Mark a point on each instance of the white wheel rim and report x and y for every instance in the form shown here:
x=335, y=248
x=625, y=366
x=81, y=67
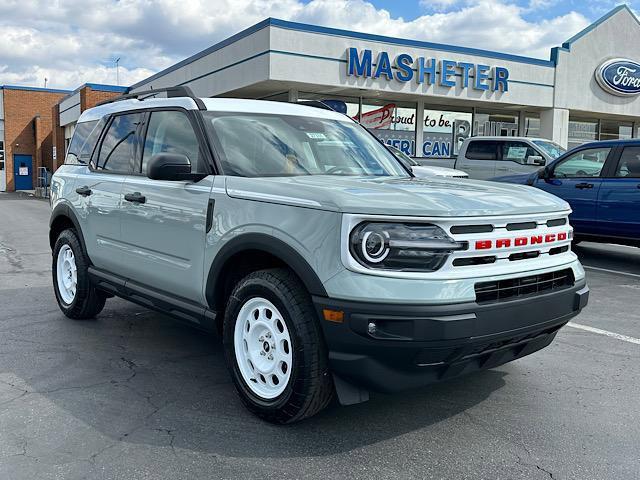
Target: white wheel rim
x=67, y=274
x=263, y=348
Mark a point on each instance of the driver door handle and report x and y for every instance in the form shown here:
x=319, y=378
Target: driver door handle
x=135, y=197
x=584, y=185
x=84, y=191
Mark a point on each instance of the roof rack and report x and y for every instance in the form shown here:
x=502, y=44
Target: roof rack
x=172, y=92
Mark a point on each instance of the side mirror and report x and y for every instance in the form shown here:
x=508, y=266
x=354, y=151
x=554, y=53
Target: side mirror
x=535, y=160
x=544, y=173
x=171, y=166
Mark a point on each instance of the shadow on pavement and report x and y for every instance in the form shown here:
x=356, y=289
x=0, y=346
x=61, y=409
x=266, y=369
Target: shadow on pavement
x=137, y=376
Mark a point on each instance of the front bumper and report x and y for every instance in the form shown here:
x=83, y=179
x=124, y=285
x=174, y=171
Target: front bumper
x=414, y=345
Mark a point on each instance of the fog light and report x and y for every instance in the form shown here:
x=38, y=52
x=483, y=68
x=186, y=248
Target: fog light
x=372, y=328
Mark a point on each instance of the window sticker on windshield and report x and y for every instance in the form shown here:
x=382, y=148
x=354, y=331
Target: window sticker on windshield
x=517, y=152
x=316, y=135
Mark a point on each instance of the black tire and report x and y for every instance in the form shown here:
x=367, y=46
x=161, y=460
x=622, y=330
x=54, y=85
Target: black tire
x=87, y=302
x=310, y=388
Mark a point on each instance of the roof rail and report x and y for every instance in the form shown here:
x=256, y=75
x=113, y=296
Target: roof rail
x=172, y=92
x=314, y=103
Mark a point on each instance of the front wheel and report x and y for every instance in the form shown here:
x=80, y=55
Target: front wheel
x=274, y=347
x=76, y=297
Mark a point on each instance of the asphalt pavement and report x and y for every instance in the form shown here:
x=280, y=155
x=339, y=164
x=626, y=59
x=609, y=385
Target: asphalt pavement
x=135, y=395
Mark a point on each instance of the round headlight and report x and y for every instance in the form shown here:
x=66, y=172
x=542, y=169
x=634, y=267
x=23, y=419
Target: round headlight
x=401, y=246
x=375, y=246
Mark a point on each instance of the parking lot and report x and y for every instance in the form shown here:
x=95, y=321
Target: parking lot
x=136, y=395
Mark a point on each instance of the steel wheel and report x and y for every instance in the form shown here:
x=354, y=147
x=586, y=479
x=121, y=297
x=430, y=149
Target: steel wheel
x=67, y=274
x=263, y=348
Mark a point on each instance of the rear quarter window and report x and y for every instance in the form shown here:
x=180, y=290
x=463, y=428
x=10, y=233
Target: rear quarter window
x=83, y=142
x=482, y=150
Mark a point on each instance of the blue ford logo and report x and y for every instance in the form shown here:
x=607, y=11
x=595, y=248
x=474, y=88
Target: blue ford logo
x=619, y=76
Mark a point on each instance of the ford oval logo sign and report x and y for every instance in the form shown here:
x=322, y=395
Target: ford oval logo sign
x=619, y=76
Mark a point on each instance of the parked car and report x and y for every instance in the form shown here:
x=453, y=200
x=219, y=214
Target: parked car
x=425, y=171
x=487, y=157
x=601, y=182
x=291, y=230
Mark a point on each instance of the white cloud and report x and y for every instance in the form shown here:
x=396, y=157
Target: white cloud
x=75, y=41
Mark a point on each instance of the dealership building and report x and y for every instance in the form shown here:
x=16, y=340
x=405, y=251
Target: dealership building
x=422, y=97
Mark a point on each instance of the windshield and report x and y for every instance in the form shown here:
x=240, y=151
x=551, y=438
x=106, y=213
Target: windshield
x=552, y=149
x=257, y=145
x=403, y=156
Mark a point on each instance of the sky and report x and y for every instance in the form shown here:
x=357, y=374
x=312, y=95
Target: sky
x=71, y=42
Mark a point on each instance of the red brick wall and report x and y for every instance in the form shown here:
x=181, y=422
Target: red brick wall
x=23, y=134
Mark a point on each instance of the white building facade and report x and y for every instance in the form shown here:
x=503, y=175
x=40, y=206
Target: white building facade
x=426, y=98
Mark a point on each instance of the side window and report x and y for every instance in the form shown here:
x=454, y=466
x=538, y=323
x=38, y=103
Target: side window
x=171, y=132
x=517, y=152
x=84, y=139
x=585, y=163
x=629, y=164
x=119, y=147
x=482, y=150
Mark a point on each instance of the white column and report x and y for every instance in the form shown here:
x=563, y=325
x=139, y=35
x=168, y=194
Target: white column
x=419, y=125
x=554, y=125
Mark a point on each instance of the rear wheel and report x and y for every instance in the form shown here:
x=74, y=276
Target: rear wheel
x=274, y=347
x=76, y=297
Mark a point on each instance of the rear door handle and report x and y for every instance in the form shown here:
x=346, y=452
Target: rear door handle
x=135, y=197
x=584, y=185
x=502, y=169
x=85, y=191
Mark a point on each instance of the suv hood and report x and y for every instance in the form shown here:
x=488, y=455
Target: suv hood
x=437, y=197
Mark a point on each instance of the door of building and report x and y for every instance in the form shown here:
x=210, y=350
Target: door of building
x=23, y=172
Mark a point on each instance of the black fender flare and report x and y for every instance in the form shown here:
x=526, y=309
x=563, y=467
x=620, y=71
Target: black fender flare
x=267, y=244
x=64, y=210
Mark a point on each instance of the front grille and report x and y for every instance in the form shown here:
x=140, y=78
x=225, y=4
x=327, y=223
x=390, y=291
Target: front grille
x=512, y=288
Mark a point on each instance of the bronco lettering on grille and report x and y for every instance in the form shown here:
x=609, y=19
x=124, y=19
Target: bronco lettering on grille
x=521, y=241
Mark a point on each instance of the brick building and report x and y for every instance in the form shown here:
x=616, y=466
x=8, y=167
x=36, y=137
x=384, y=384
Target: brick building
x=67, y=111
x=25, y=134
x=36, y=125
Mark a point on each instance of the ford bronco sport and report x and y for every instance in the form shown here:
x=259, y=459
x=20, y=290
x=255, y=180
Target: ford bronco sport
x=326, y=266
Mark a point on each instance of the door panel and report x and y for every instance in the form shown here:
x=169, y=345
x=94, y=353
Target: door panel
x=619, y=197
x=23, y=172
x=165, y=235
x=100, y=191
x=99, y=213
x=577, y=180
x=164, y=222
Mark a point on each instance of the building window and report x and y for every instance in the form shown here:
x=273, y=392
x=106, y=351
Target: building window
x=582, y=131
x=490, y=124
x=443, y=132
x=610, y=130
x=531, y=126
x=392, y=122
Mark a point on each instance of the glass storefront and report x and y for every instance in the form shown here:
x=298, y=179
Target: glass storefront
x=443, y=132
x=582, y=131
x=392, y=122
x=615, y=130
x=531, y=126
x=495, y=124
x=588, y=130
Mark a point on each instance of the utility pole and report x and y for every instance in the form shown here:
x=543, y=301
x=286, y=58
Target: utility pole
x=118, y=71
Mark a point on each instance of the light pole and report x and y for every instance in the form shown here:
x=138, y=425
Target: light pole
x=118, y=71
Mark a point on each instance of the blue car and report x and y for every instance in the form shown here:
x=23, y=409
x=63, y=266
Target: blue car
x=601, y=182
